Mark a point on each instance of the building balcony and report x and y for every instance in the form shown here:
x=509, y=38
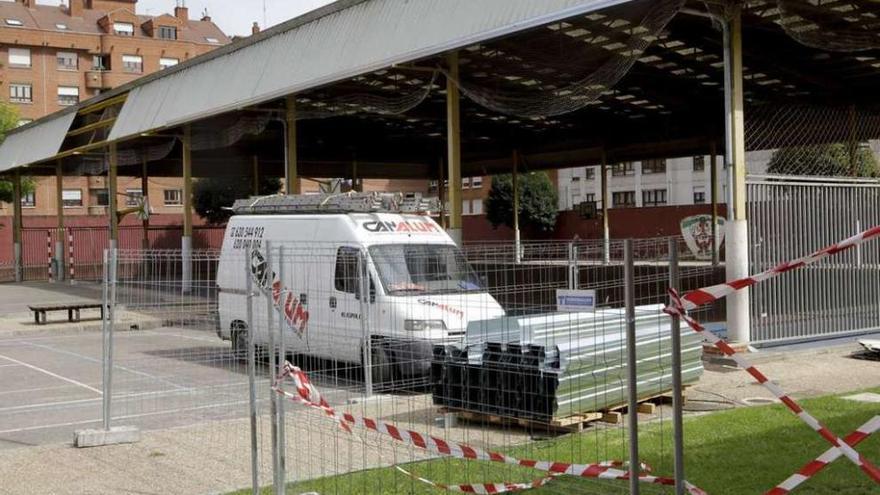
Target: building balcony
x=97, y=79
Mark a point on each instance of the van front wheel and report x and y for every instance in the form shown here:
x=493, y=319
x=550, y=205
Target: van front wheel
x=239, y=342
x=382, y=369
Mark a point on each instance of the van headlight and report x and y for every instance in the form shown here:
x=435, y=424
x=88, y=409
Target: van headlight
x=420, y=325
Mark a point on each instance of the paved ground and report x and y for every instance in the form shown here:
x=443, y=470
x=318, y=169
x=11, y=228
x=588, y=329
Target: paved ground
x=182, y=387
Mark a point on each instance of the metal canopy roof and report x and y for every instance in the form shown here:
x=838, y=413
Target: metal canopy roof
x=365, y=36
x=34, y=143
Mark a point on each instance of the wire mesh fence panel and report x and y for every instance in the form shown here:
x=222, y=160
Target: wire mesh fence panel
x=414, y=339
x=172, y=370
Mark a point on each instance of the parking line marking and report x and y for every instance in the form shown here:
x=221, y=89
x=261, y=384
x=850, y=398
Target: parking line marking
x=54, y=375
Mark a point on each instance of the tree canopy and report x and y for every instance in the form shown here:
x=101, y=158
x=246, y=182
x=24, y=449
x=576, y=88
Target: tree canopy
x=538, y=201
x=212, y=195
x=8, y=121
x=825, y=160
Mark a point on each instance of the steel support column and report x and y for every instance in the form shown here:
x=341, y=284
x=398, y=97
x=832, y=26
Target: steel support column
x=186, y=241
x=606, y=224
x=453, y=141
x=16, y=225
x=256, y=175
x=292, y=183
x=59, y=271
x=515, y=183
x=737, y=262
x=145, y=190
x=112, y=200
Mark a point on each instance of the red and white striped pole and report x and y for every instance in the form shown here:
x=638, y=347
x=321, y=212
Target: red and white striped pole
x=49, y=254
x=70, y=253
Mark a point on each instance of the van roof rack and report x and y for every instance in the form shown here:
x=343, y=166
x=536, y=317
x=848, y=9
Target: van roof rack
x=350, y=202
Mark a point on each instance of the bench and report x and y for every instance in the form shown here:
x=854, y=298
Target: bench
x=72, y=309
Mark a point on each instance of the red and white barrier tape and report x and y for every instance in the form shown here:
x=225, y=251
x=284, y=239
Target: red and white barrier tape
x=699, y=297
x=813, y=467
x=309, y=395
x=681, y=304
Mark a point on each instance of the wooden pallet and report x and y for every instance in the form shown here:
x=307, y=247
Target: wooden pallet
x=568, y=424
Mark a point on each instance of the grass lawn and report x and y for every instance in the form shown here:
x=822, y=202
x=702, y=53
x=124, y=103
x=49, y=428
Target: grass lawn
x=735, y=452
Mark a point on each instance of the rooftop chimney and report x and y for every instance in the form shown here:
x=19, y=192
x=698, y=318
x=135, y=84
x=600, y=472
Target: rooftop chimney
x=75, y=8
x=255, y=28
x=181, y=12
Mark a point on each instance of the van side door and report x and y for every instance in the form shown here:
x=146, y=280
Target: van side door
x=344, y=334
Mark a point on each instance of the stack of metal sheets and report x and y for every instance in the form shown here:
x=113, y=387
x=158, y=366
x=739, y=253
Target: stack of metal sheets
x=552, y=366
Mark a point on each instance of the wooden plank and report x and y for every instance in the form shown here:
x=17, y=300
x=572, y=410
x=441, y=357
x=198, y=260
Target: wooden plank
x=647, y=408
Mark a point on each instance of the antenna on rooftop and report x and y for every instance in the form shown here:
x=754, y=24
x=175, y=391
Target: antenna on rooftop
x=265, y=22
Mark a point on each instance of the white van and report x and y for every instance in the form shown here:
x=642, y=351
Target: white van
x=422, y=291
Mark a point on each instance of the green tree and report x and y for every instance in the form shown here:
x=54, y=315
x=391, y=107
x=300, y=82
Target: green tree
x=212, y=195
x=9, y=120
x=825, y=160
x=537, y=201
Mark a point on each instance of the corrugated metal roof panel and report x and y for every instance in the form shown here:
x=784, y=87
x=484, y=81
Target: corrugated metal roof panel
x=365, y=36
x=35, y=143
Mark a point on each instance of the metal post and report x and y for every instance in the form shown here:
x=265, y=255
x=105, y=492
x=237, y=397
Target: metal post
x=291, y=165
x=16, y=225
x=441, y=195
x=364, y=291
x=273, y=371
x=737, y=259
x=145, y=190
x=572, y=266
x=282, y=356
x=59, y=238
x=109, y=321
x=632, y=395
x=186, y=241
x=252, y=376
x=453, y=141
x=515, y=182
x=713, y=192
x=677, y=390
x=606, y=228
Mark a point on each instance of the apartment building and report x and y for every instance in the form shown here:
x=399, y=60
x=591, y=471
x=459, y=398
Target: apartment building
x=657, y=182
x=54, y=56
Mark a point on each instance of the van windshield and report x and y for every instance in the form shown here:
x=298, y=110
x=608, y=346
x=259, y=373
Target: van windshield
x=423, y=269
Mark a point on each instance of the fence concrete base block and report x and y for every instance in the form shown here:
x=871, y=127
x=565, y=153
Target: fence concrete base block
x=114, y=436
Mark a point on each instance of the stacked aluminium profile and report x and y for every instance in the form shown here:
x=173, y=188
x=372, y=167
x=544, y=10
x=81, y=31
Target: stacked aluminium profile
x=552, y=366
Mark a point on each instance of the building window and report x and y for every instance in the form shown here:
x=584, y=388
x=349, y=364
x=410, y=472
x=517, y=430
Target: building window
x=123, y=28
x=590, y=173
x=477, y=206
x=211, y=40
x=623, y=199
x=654, y=197
x=20, y=93
x=29, y=199
x=101, y=62
x=100, y=197
x=699, y=195
x=432, y=186
x=67, y=61
x=656, y=166
x=168, y=32
x=575, y=198
x=22, y=122
x=477, y=182
x=699, y=163
x=166, y=62
x=575, y=178
x=61, y=27
x=68, y=95
x=173, y=197
x=465, y=207
x=132, y=196
x=466, y=183
x=346, y=277
x=590, y=197
x=133, y=64
x=72, y=198
x=14, y=22
x=621, y=169
x=19, y=57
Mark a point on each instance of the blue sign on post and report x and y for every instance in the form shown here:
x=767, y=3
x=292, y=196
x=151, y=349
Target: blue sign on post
x=575, y=300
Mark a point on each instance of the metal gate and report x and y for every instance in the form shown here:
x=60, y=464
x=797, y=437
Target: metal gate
x=790, y=217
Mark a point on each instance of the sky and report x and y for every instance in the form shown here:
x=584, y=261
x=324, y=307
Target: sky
x=233, y=16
